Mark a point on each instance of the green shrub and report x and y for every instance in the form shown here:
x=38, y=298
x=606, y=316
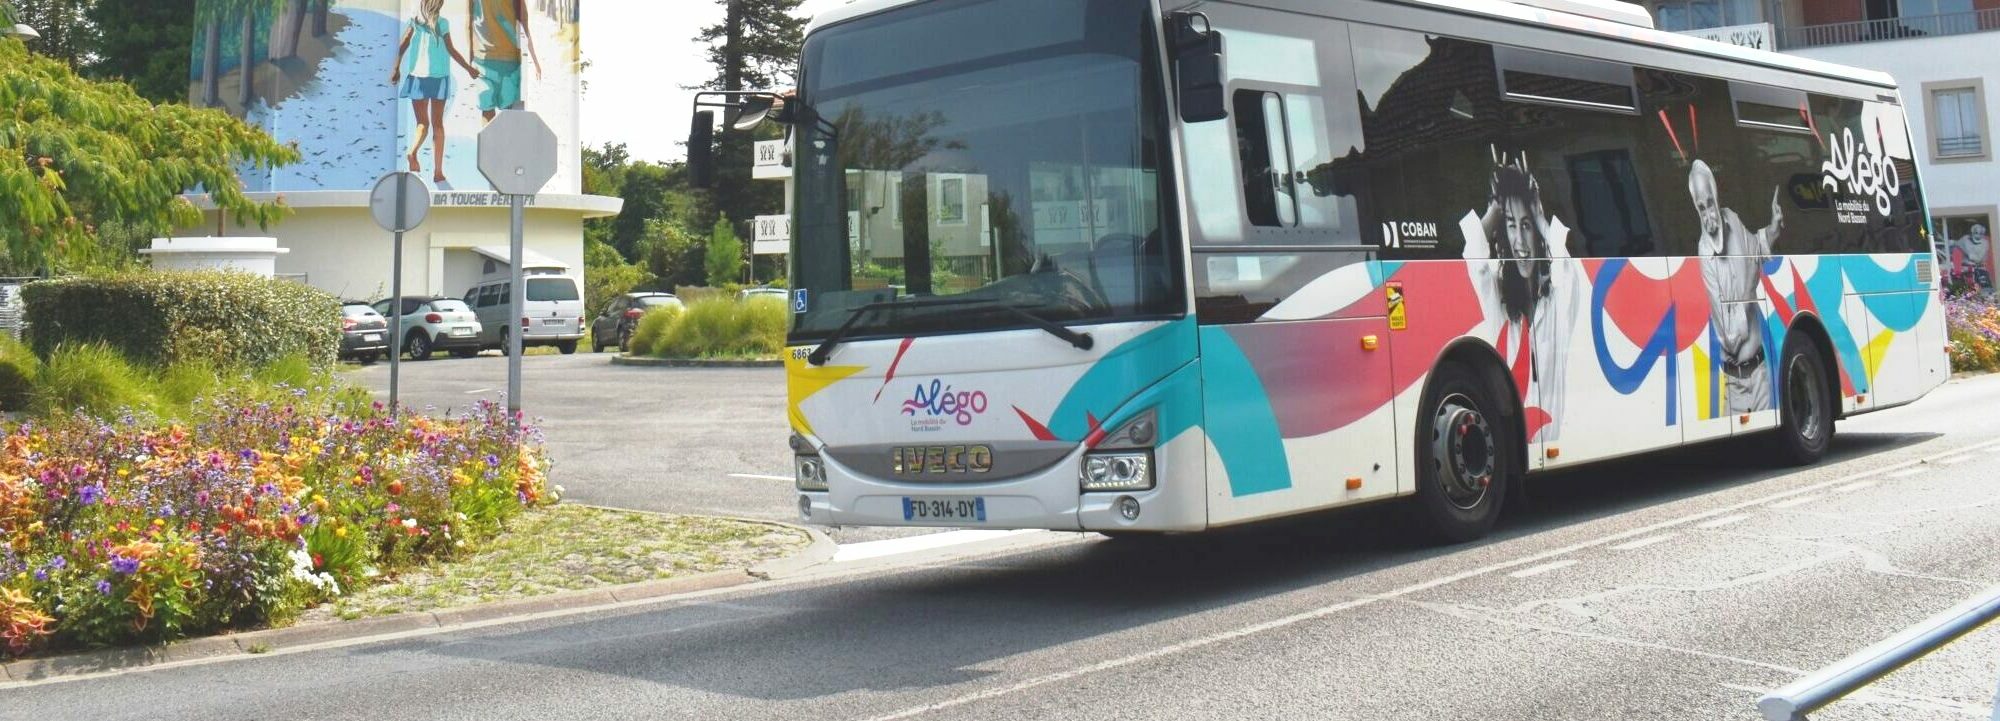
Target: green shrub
x=651, y=329
x=94, y=379
x=162, y=318
x=720, y=328
x=18, y=371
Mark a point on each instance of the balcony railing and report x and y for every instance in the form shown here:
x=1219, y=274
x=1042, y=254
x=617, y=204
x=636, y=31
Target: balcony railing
x=1916, y=26
x=1962, y=146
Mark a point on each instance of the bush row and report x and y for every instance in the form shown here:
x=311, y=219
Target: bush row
x=163, y=318
x=715, y=327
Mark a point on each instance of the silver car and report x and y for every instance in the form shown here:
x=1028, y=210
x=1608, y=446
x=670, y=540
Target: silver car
x=432, y=324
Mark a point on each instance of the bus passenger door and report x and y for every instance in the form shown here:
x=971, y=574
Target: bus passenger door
x=1294, y=322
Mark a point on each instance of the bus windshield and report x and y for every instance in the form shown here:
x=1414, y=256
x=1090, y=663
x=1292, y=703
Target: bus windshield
x=1009, y=151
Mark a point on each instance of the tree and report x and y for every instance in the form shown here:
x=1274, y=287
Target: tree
x=724, y=259
x=66, y=32
x=144, y=43
x=212, y=16
x=76, y=154
x=755, y=47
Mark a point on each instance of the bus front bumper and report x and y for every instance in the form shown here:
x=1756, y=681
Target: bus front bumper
x=1047, y=499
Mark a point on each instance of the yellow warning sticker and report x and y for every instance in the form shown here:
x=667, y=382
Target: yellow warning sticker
x=1398, y=320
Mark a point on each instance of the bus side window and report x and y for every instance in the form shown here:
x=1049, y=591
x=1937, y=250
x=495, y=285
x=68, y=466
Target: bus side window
x=1262, y=144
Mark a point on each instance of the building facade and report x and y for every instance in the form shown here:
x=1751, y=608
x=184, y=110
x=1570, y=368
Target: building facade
x=1936, y=50
x=366, y=87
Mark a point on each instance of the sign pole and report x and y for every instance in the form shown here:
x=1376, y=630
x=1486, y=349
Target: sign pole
x=517, y=302
x=396, y=310
x=399, y=202
x=517, y=154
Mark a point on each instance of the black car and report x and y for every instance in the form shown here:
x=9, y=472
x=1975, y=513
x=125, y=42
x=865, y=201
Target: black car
x=621, y=318
x=364, y=333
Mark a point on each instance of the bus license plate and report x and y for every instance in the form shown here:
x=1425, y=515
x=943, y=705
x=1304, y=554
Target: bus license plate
x=919, y=508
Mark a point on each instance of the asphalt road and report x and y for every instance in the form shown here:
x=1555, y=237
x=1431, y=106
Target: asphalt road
x=1674, y=586
x=679, y=440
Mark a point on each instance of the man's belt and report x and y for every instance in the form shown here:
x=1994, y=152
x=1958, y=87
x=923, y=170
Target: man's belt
x=1742, y=368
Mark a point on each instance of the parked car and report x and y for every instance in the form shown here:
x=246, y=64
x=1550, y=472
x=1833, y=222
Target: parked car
x=433, y=324
x=621, y=318
x=553, y=315
x=364, y=333
x=748, y=293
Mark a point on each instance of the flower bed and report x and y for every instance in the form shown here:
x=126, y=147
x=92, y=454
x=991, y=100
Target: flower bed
x=133, y=531
x=1972, y=321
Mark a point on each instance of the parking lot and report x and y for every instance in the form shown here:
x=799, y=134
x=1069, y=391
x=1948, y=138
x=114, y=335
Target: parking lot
x=681, y=440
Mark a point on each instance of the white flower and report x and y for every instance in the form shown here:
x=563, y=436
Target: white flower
x=409, y=523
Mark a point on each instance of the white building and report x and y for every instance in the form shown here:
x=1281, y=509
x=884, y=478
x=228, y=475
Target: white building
x=322, y=85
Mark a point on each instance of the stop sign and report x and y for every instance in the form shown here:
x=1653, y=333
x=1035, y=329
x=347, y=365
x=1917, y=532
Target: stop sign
x=517, y=152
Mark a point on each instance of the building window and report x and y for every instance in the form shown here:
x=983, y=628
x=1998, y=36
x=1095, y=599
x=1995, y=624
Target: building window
x=1682, y=15
x=1967, y=250
x=1958, y=122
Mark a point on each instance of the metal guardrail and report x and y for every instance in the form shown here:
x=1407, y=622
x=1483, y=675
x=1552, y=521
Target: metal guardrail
x=1911, y=26
x=1830, y=684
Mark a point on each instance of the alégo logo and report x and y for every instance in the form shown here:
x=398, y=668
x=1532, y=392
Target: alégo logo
x=938, y=399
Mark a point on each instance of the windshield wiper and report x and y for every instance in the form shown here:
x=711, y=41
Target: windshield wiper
x=820, y=354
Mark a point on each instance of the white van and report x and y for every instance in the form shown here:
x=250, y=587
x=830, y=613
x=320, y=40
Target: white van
x=553, y=314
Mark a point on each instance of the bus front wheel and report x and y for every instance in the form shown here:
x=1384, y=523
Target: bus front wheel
x=1466, y=455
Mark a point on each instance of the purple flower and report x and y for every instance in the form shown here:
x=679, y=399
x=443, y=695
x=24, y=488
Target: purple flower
x=124, y=565
x=104, y=588
x=58, y=563
x=90, y=494
x=41, y=574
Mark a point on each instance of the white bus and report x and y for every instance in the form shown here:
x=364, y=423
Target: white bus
x=1133, y=266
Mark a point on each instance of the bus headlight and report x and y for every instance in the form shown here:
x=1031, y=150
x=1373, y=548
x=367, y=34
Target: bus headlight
x=1118, y=471
x=811, y=474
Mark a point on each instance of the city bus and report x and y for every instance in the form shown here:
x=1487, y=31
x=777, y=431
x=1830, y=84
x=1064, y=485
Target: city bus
x=1145, y=266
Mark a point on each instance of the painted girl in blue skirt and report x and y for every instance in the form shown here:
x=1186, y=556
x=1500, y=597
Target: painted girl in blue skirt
x=423, y=74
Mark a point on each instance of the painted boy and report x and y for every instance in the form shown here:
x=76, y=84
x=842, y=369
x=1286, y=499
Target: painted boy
x=499, y=29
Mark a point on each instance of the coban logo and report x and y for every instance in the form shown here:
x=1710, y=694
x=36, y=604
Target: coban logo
x=1862, y=172
x=938, y=399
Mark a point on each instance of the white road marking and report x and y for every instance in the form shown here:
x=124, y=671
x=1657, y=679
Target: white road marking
x=482, y=390
x=1302, y=617
x=761, y=477
x=909, y=544
x=1643, y=542
x=1800, y=501
x=1720, y=522
x=1907, y=472
x=1955, y=460
x=1544, y=568
x=1852, y=487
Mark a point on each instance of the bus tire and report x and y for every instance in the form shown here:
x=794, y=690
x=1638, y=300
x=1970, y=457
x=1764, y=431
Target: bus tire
x=1805, y=403
x=1466, y=455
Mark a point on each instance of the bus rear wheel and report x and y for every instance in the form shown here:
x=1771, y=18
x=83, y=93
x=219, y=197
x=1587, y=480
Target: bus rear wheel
x=1466, y=456
x=1805, y=403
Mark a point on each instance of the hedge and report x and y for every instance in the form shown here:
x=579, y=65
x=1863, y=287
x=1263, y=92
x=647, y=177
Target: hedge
x=163, y=318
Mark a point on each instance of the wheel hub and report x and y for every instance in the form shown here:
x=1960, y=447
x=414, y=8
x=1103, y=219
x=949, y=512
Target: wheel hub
x=1462, y=448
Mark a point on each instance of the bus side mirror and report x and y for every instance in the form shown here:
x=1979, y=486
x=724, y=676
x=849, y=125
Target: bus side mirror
x=1197, y=59
x=701, y=150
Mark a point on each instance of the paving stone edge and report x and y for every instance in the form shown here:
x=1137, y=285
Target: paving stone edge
x=628, y=360
x=818, y=551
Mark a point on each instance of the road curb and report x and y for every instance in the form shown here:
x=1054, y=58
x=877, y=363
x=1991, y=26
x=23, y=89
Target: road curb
x=818, y=551
x=628, y=360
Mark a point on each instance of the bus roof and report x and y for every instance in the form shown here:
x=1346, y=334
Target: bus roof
x=1546, y=13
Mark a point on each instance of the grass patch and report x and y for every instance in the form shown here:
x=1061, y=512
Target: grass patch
x=569, y=548
x=714, y=328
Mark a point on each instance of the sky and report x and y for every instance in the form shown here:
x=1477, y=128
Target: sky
x=642, y=55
